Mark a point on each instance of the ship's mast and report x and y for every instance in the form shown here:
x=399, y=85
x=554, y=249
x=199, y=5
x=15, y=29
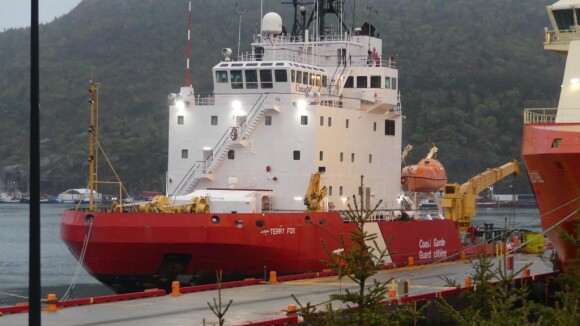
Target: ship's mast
x=321, y=8
x=187, y=81
x=93, y=134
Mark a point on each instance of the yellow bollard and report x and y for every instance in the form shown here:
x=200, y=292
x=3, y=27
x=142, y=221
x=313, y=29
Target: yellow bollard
x=410, y=261
x=273, y=279
x=392, y=293
x=51, y=303
x=175, y=289
x=467, y=283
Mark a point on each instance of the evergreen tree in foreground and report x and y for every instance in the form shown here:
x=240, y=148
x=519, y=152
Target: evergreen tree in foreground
x=359, y=263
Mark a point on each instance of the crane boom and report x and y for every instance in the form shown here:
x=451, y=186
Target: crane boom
x=459, y=201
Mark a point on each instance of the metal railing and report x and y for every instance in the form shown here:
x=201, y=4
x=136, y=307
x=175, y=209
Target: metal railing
x=536, y=116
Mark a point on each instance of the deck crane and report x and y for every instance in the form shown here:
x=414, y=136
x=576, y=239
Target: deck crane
x=459, y=201
x=315, y=195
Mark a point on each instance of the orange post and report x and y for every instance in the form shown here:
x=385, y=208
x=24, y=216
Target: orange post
x=467, y=283
x=273, y=279
x=410, y=261
x=516, y=241
x=175, y=289
x=51, y=301
x=527, y=272
x=392, y=293
x=462, y=255
x=291, y=309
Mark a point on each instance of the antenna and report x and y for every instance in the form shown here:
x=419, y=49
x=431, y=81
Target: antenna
x=240, y=13
x=187, y=81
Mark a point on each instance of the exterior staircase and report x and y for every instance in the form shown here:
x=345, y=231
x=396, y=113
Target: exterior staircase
x=231, y=137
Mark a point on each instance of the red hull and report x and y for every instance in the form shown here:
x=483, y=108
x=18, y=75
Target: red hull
x=551, y=153
x=130, y=251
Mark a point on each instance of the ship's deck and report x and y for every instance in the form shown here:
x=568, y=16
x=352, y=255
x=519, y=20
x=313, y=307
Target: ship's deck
x=257, y=302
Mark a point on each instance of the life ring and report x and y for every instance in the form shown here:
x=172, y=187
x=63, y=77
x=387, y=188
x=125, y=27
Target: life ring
x=234, y=133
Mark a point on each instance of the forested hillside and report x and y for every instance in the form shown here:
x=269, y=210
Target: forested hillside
x=467, y=69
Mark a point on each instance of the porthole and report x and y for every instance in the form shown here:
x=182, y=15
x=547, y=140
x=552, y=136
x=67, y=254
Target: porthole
x=215, y=219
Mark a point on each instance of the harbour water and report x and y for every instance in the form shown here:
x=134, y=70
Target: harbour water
x=59, y=266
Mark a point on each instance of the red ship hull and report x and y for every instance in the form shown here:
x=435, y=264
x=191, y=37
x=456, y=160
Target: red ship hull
x=135, y=251
x=551, y=153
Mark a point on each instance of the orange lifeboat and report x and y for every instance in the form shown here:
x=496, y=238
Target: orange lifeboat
x=426, y=176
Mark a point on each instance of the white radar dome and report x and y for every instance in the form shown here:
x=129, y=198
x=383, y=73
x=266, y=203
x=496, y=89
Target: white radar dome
x=272, y=23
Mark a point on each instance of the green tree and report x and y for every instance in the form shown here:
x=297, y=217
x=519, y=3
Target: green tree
x=359, y=263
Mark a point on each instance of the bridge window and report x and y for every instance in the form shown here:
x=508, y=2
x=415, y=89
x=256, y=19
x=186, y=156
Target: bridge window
x=564, y=19
x=361, y=82
x=375, y=81
x=299, y=76
x=390, y=127
x=266, y=78
x=251, y=79
x=221, y=76
x=387, y=82
x=184, y=153
x=324, y=80
x=281, y=75
x=293, y=75
x=305, y=76
x=236, y=79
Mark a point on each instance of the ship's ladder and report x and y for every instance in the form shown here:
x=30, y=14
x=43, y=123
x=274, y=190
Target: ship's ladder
x=232, y=135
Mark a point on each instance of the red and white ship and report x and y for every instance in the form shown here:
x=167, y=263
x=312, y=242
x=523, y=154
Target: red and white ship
x=321, y=101
x=551, y=137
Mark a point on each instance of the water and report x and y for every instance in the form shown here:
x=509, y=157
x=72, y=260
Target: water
x=512, y=218
x=58, y=264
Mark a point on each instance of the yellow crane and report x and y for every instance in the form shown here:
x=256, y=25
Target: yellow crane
x=459, y=201
x=314, y=195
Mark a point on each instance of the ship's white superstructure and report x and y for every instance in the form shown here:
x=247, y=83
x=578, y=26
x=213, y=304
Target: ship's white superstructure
x=293, y=106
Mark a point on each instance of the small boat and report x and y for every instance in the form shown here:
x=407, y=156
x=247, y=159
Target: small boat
x=7, y=198
x=78, y=195
x=426, y=176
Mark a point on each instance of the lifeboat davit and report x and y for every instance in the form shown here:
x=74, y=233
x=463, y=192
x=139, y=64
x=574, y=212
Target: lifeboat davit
x=427, y=176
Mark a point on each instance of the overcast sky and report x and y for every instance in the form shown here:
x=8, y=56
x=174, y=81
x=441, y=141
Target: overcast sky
x=16, y=13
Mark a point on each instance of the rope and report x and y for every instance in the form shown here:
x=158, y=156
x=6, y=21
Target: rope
x=14, y=295
x=80, y=261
